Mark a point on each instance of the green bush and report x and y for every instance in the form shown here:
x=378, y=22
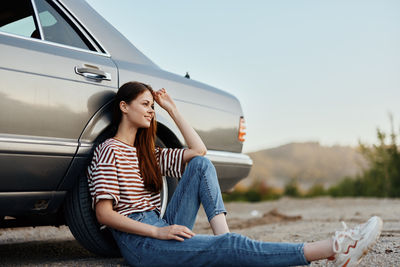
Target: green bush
x=382, y=177
x=258, y=192
x=316, y=190
x=292, y=189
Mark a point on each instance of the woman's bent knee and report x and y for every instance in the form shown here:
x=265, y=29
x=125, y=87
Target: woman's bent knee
x=201, y=162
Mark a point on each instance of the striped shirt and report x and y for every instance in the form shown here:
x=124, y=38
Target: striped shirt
x=114, y=174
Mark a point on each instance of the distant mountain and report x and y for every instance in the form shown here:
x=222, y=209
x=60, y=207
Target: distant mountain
x=309, y=163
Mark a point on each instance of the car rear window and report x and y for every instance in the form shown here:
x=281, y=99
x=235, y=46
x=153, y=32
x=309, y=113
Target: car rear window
x=17, y=17
x=58, y=28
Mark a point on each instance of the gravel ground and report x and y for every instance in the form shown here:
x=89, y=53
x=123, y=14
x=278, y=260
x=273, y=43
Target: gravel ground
x=285, y=220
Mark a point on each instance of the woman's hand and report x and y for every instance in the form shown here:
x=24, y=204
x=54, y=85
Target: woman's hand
x=174, y=232
x=164, y=100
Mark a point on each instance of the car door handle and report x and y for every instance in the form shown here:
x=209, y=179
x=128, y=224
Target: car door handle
x=93, y=73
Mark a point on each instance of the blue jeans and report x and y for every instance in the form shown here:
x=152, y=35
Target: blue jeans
x=199, y=184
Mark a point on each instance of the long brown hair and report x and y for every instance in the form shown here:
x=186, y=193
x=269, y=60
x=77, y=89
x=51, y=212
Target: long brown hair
x=145, y=137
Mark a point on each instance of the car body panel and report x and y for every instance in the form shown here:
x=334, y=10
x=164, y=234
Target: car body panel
x=50, y=104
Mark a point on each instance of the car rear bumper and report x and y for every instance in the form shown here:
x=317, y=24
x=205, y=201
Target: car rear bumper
x=231, y=167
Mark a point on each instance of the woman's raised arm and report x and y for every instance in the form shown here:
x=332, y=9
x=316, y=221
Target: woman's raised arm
x=195, y=145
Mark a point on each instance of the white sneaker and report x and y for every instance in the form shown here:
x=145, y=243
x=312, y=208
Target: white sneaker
x=350, y=245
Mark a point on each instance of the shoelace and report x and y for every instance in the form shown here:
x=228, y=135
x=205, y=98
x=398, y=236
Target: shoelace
x=340, y=235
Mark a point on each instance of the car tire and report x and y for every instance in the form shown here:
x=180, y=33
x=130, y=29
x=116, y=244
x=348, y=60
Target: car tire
x=83, y=224
x=82, y=221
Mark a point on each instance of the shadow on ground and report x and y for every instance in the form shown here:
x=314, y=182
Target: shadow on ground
x=51, y=253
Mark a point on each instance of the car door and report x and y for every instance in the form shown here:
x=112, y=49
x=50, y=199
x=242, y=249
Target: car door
x=53, y=77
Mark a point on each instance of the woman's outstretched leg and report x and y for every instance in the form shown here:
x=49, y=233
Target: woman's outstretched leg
x=198, y=185
x=319, y=250
x=345, y=249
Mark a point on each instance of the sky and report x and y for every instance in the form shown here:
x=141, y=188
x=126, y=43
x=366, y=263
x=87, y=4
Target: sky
x=303, y=70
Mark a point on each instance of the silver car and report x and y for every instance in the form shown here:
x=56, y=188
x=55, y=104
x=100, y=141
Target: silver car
x=61, y=64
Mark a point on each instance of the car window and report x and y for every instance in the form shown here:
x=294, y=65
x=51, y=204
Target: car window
x=17, y=17
x=58, y=29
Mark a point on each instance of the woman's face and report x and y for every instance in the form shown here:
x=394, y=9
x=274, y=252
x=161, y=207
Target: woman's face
x=140, y=111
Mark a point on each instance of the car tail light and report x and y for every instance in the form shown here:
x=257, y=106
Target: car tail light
x=242, y=129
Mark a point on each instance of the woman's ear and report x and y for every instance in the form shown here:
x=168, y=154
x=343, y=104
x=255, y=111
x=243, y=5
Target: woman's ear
x=123, y=107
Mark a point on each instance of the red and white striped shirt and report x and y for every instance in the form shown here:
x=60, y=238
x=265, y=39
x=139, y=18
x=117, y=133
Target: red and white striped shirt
x=114, y=174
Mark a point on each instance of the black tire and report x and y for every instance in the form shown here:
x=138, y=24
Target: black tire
x=83, y=224
x=82, y=221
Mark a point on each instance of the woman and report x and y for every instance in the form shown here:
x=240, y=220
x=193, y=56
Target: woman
x=125, y=178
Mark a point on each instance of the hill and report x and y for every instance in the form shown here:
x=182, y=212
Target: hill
x=309, y=163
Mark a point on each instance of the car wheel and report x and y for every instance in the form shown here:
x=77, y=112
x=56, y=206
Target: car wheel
x=82, y=221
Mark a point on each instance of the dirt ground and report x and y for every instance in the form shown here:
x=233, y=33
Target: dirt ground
x=284, y=220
